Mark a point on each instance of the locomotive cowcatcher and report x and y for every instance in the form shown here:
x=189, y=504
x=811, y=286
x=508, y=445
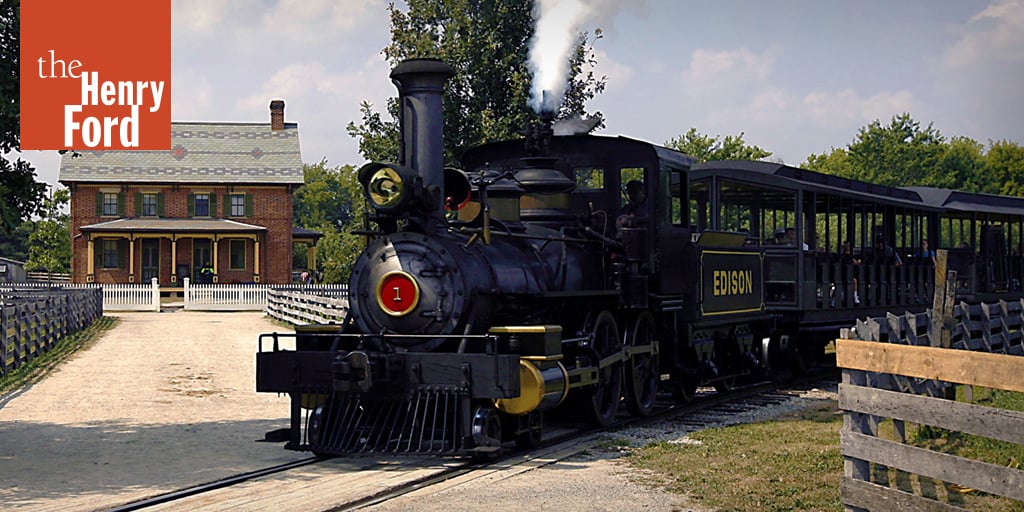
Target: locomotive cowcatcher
x=490, y=295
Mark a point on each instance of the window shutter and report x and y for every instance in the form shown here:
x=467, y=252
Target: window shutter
x=191, y=205
x=138, y=204
x=227, y=205
x=99, y=204
x=248, y=205
x=160, y=204
x=213, y=205
x=120, y=204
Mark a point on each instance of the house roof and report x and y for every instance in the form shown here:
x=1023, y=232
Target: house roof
x=176, y=225
x=301, y=232
x=200, y=153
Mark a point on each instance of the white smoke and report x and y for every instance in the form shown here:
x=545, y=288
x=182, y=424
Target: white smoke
x=559, y=23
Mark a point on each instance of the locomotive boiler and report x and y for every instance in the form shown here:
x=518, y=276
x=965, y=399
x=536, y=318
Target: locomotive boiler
x=490, y=295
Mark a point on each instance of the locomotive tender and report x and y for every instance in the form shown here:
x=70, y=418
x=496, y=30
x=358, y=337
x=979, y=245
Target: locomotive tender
x=490, y=295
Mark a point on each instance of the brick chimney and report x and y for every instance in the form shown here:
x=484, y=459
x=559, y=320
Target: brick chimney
x=277, y=115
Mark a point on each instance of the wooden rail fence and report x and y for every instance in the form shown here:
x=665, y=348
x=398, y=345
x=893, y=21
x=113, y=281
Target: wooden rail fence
x=895, y=372
x=302, y=307
x=32, y=321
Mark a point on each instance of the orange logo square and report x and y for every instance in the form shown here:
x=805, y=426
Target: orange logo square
x=95, y=75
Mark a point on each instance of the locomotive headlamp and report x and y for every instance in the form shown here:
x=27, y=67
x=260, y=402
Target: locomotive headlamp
x=388, y=187
x=385, y=187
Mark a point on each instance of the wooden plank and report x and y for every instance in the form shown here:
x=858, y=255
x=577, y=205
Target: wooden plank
x=982, y=476
x=965, y=367
x=866, y=495
x=1000, y=424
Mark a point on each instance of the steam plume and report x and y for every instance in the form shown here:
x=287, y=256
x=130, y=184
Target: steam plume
x=559, y=23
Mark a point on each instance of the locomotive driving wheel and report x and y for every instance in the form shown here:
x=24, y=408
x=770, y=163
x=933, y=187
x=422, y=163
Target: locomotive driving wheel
x=642, y=375
x=605, y=341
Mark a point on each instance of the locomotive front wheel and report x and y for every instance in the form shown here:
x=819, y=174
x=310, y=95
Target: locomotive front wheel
x=683, y=392
x=725, y=385
x=602, y=406
x=642, y=377
x=530, y=437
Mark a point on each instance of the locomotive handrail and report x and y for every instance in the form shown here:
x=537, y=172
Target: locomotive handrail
x=536, y=237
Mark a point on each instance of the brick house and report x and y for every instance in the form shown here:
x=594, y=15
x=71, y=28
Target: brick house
x=222, y=195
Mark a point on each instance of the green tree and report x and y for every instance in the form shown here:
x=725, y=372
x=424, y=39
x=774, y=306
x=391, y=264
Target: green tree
x=486, y=43
x=903, y=153
x=20, y=194
x=331, y=202
x=836, y=162
x=49, y=244
x=962, y=166
x=1005, y=168
x=325, y=199
x=706, y=148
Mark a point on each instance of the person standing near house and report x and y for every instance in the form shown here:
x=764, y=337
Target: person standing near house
x=206, y=274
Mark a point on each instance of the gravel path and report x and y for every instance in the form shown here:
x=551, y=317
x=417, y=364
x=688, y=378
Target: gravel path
x=167, y=400
x=161, y=401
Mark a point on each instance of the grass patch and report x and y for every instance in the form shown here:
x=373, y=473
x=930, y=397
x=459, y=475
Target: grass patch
x=42, y=365
x=1000, y=453
x=792, y=463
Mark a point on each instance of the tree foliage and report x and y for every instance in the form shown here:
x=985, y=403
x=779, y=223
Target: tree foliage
x=20, y=194
x=331, y=202
x=706, y=148
x=486, y=43
x=1005, y=161
x=49, y=244
x=903, y=153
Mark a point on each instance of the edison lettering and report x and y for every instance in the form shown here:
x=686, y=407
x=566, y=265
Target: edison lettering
x=732, y=282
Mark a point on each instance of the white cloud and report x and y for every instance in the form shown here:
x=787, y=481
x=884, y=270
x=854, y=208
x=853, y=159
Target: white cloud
x=315, y=20
x=204, y=16
x=323, y=101
x=617, y=72
x=996, y=34
x=716, y=65
x=826, y=107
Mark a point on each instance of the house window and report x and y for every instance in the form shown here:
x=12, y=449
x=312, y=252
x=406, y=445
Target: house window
x=109, y=203
x=110, y=254
x=149, y=208
x=202, y=205
x=237, y=205
x=237, y=254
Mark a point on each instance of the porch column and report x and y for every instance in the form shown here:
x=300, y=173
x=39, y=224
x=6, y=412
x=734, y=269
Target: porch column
x=256, y=260
x=174, y=259
x=131, y=259
x=311, y=257
x=215, y=243
x=90, y=262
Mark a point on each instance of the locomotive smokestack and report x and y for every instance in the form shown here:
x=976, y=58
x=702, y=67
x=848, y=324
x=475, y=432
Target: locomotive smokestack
x=420, y=84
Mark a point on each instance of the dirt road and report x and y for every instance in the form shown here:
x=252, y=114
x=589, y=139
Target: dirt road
x=166, y=400
x=161, y=401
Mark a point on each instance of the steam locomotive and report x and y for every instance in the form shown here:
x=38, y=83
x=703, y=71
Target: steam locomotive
x=491, y=295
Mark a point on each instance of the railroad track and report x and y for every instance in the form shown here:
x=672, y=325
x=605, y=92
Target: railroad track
x=343, y=484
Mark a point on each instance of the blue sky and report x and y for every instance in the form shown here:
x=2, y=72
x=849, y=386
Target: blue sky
x=795, y=76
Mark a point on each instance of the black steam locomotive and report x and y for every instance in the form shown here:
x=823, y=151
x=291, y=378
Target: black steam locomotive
x=490, y=295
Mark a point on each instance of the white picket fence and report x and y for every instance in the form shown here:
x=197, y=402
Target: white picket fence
x=225, y=297
x=116, y=297
x=199, y=297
